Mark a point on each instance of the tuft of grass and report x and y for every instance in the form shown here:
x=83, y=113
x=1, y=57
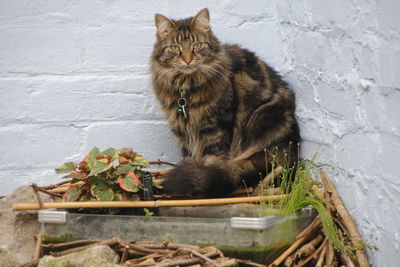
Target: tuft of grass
x=296, y=182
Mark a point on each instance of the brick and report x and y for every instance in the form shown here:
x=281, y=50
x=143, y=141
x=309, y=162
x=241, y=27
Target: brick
x=152, y=139
x=37, y=146
x=78, y=100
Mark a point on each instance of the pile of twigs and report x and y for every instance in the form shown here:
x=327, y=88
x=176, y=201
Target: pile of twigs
x=149, y=253
x=313, y=248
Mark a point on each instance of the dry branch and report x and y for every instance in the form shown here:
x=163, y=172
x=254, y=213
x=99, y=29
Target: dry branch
x=309, y=248
x=346, y=220
x=36, y=255
x=201, y=256
x=315, y=225
x=160, y=162
x=314, y=255
x=288, y=252
x=322, y=256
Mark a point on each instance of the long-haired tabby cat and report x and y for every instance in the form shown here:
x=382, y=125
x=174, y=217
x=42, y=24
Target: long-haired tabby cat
x=227, y=108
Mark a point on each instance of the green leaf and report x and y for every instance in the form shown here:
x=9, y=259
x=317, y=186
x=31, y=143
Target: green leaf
x=125, y=150
x=132, y=197
x=158, y=186
x=91, y=157
x=140, y=161
x=99, y=167
x=66, y=168
x=147, y=212
x=101, y=191
x=73, y=193
x=129, y=183
x=125, y=168
x=111, y=152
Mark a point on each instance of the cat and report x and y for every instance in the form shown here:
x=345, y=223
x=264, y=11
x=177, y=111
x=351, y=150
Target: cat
x=231, y=113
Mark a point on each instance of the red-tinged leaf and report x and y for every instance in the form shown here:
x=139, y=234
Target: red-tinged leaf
x=133, y=176
x=83, y=165
x=103, y=158
x=140, y=161
x=119, y=197
x=129, y=183
x=73, y=193
x=122, y=160
x=66, y=168
x=124, y=150
x=128, y=155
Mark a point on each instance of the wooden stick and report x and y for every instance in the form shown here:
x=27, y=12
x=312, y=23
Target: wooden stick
x=145, y=204
x=64, y=187
x=76, y=242
x=185, y=261
x=330, y=255
x=348, y=222
x=251, y=263
x=229, y=263
x=309, y=248
x=38, y=251
x=48, y=187
x=165, y=245
x=314, y=255
x=267, y=180
x=159, y=162
x=287, y=252
x=108, y=242
x=321, y=257
x=141, y=248
x=201, y=256
x=37, y=196
x=311, y=228
x=124, y=255
x=53, y=194
x=138, y=261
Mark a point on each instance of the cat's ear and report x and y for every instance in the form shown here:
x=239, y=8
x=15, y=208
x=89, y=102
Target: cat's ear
x=164, y=25
x=202, y=20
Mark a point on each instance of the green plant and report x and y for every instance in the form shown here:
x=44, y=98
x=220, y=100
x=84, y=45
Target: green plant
x=147, y=212
x=297, y=184
x=110, y=175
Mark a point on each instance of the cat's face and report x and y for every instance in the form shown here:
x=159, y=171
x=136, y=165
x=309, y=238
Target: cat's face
x=185, y=46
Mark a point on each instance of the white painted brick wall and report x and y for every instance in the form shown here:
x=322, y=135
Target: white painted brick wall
x=74, y=74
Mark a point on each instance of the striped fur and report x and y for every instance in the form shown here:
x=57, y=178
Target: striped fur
x=240, y=111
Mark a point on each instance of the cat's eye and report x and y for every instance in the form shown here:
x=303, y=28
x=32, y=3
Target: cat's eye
x=175, y=48
x=197, y=45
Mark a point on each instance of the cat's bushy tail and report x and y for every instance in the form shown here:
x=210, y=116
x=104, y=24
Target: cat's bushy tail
x=197, y=180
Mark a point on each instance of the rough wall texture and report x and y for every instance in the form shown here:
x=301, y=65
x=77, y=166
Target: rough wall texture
x=74, y=74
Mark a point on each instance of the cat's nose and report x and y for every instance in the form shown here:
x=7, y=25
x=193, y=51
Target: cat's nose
x=187, y=60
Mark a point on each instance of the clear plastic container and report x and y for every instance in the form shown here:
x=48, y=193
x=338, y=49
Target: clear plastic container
x=258, y=239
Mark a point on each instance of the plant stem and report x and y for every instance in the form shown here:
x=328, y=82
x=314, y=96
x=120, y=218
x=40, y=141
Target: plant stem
x=159, y=162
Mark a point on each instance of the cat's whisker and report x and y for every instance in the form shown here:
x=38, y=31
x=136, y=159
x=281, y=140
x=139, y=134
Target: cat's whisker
x=213, y=71
x=163, y=74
